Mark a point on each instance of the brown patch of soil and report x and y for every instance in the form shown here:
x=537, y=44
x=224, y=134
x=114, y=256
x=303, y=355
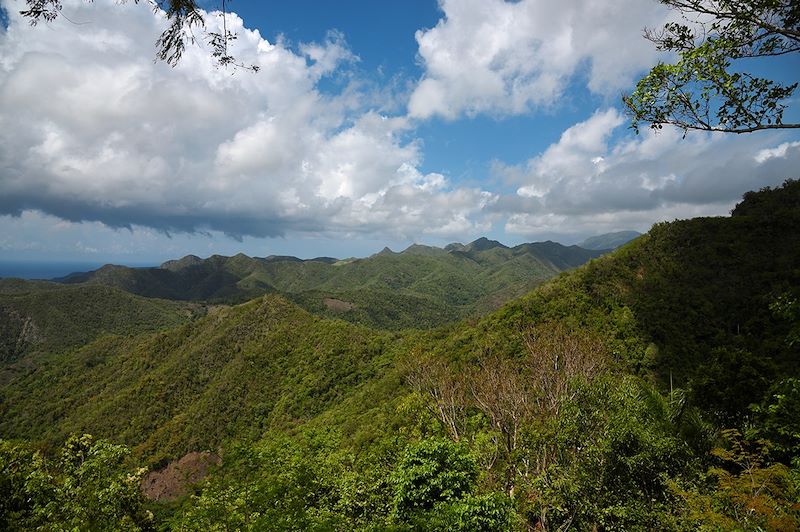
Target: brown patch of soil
x=172, y=481
x=337, y=305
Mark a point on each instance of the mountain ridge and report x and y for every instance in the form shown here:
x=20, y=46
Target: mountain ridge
x=435, y=284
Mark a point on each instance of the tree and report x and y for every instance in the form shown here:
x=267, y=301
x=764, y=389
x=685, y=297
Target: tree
x=746, y=492
x=434, y=483
x=432, y=471
x=557, y=357
x=704, y=90
x=434, y=379
x=89, y=488
x=183, y=15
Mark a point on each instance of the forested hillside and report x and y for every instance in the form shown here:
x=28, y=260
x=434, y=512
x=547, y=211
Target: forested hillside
x=420, y=287
x=656, y=387
x=39, y=318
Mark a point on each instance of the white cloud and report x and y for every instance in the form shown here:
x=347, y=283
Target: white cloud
x=500, y=57
x=593, y=180
x=578, y=153
x=93, y=129
x=779, y=151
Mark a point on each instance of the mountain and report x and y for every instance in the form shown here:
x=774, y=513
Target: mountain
x=46, y=317
x=41, y=320
x=609, y=240
x=614, y=396
x=421, y=286
x=691, y=299
x=481, y=244
x=216, y=279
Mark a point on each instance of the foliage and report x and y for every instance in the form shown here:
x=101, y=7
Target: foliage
x=421, y=287
x=237, y=372
x=282, y=483
x=472, y=513
x=51, y=318
x=431, y=472
x=687, y=297
x=612, y=451
x=777, y=418
x=591, y=403
x=705, y=89
x=730, y=381
x=746, y=491
x=788, y=308
x=778, y=202
x=88, y=488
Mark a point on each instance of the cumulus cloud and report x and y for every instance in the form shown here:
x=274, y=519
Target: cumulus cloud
x=594, y=180
x=93, y=129
x=500, y=57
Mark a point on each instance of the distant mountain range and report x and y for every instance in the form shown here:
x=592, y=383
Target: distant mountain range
x=609, y=240
x=421, y=286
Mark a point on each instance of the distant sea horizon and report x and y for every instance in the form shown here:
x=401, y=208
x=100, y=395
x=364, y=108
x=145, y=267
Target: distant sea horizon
x=42, y=270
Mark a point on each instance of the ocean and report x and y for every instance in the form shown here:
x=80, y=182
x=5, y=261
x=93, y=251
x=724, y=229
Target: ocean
x=44, y=270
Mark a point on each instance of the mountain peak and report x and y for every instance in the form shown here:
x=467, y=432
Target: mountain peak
x=281, y=258
x=179, y=264
x=420, y=249
x=483, y=243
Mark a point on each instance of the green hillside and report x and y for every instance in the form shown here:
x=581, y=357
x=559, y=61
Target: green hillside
x=655, y=388
x=421, y=286
x=43, y=317
x=214, y=279
x=235, y=373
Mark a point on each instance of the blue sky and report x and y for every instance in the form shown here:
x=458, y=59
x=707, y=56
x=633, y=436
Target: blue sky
x=368, y=124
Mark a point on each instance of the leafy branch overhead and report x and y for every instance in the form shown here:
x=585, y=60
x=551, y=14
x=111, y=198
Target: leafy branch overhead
x=705, y=88
x=183, y=16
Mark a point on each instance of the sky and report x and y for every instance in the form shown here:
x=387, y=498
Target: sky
x=369, y=123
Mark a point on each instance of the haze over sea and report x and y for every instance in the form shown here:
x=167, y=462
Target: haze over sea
x=48, y=270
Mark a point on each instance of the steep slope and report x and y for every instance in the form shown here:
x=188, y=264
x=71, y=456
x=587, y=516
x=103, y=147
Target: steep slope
x=693, y=302
x=237, y=372
x=44, y=317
